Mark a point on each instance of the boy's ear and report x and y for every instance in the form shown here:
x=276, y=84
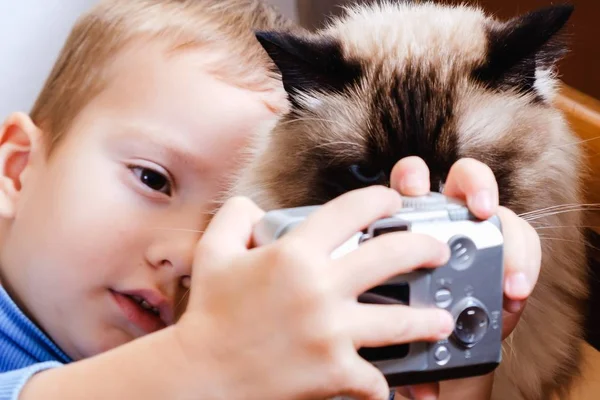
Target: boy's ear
x=18, y=136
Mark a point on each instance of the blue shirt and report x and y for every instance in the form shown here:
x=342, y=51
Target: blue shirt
x=24, y=349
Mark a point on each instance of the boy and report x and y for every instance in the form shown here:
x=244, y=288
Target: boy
x=106, y=189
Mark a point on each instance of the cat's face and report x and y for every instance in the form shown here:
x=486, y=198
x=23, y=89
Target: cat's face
x=386, y=82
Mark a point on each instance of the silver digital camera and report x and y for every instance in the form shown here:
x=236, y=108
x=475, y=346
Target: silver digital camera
x=469, y=286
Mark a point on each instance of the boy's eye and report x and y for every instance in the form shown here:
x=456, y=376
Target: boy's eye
x=154, y=180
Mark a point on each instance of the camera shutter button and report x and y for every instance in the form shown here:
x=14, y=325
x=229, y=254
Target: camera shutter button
x=430, y=201
x=462, y=252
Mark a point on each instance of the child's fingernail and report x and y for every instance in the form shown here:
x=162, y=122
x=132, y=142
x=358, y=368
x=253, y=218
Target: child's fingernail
x=411, y=181
x=517, y=285
x=444, y=252
x=513, y=306
x=483, y=201
x=186, y=282
x=447, y=324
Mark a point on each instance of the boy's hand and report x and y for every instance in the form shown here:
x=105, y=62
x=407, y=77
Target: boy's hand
x=474, y=182
x=282, y=321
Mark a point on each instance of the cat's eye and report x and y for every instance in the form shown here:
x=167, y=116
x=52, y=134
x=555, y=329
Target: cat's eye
x=366, y=174
x=153, y=179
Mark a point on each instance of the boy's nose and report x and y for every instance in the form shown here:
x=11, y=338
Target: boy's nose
x=173, y=256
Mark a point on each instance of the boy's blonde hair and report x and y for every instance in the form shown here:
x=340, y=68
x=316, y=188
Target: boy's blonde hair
x=222, y=27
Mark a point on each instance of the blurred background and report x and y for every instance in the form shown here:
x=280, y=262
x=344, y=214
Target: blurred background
x=33, y=32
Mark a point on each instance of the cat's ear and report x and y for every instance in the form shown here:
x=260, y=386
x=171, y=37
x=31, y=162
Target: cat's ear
x=526, y=44
x=309, y=64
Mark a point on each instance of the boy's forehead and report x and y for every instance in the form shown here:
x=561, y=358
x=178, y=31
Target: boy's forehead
x=169, y=98
x=173, y=89
x=149, y=68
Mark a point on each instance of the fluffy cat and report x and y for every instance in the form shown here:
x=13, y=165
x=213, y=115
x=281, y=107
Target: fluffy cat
x=396, y=79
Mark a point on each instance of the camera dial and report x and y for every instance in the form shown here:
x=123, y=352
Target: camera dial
x=471, y=322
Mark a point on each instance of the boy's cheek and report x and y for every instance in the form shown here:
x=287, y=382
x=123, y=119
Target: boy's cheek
x=68, y=227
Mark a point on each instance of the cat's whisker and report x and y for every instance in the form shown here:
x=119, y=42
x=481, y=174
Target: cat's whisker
x=561, y=211
x=178, y=230
x=585, y=243
x=555, y=212
x=332, y=143
x=187, y=292
x=533, y=218
x=566, y=226
x=579, y=142
x=309, y=119
x=553, y=207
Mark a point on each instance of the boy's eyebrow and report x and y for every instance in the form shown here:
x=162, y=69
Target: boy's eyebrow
x=159, y=140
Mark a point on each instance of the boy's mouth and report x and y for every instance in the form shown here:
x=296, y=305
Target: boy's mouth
x=145, y=305
x=147, y=309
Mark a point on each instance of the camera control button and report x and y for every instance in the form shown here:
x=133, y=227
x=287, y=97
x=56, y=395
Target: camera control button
x=462, y=252
x=441, y=355
x=431, y=201
x=471, y=325
x=443, y=298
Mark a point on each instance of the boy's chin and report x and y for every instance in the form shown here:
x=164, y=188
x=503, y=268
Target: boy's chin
x=101, y=342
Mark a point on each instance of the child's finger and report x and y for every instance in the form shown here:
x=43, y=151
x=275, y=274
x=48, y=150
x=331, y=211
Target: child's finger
x=336, y=221
x=511, y=315
x=364, y=381
x=410, y=177
x=229, y=232
x=523, y=255
x=473, y=181
x=379, y=259
x=426, y=391
x=375, y=325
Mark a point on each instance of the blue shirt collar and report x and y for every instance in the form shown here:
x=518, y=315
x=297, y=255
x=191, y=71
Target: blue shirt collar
x=20, y=336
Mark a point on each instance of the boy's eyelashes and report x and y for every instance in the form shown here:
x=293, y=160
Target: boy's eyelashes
x=153, y=179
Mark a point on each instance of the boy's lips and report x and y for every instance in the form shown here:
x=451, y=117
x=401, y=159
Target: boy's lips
x=146, y=308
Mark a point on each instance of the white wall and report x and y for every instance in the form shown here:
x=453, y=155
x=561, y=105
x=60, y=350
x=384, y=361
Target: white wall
x=32, y=33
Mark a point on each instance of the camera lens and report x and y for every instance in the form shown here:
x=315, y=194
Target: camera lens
x=471, y=325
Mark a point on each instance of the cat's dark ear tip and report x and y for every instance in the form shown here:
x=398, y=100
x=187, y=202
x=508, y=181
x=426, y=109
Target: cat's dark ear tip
x=567, y=8
x=561, y=11
x=264, y=35
x=272, y=41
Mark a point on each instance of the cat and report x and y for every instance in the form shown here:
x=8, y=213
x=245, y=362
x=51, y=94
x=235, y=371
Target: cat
x=394, y=79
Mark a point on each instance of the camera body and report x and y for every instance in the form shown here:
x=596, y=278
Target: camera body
x=469, y=286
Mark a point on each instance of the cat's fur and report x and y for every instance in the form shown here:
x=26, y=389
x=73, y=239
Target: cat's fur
x=397, y=79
